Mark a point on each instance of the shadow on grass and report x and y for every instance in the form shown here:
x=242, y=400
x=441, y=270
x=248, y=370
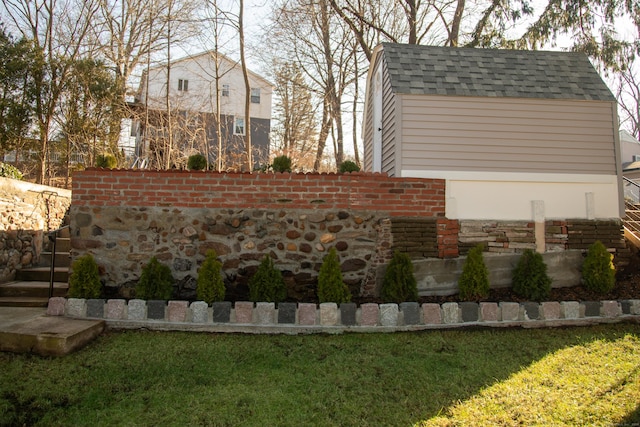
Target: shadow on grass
x=631, y=420
x=208, y=379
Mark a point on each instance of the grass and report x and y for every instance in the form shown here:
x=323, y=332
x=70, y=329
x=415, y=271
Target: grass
x=573, y=376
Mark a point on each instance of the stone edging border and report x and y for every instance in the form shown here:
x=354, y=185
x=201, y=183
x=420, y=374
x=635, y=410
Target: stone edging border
x=294, y=318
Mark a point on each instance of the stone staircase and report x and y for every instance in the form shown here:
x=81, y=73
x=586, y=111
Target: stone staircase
x=31, y=285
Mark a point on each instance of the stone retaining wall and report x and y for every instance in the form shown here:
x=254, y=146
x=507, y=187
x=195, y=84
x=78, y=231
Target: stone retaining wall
x=516, y=236
x=306, y=317
x=27, y=211
x=125, y=217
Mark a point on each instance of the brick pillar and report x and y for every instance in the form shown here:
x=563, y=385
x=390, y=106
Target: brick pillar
x=448, y=230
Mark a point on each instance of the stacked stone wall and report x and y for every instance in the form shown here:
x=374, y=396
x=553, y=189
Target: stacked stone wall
x=497, y=236
x=27, y=211
x=126, y=217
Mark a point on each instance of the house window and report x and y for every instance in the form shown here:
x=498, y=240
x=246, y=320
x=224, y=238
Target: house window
x=238, y=126
x=183, y=85
x=255, y=95
x=636, y=157
x=225, y=90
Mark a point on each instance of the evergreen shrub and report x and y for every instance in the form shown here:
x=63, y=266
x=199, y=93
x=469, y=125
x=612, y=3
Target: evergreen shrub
x=281, y=164
x=474, y=281
x=156, y=281
x=530, y=279
x=267, y=285
x=349, y=166
x=598, y=271
x=197, y=162
x=106, y=161
x=331, y=288
x=10, y=171
x=399, y=284
x=210, y=285
x=84, y=280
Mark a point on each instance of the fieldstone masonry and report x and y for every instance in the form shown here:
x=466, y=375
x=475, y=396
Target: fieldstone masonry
x=27, y=212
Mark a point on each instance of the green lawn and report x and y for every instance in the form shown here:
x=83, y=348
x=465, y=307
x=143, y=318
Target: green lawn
x=570, y=376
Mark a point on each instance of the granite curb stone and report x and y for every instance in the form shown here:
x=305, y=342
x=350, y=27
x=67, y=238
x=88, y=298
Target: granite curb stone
x=410, y=312
x=177, y=311
x=287, y=312
x=137, y=309
x=76, y=307
x=450, y=313
x=469, y=311
x=116, y=309
x=389, y=314
x=199, y=312
x=348, y=313
x=570, y=309
x=431, y=314
x=307, y=314
x=156, y=309
x=337, y=317
x=221, y=311
x=489, y=312
x=56, y=306
x=591, y=308
x=95, y=308
x=265, y=313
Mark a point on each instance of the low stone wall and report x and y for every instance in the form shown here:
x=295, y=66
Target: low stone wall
x=330, y=317
x=440, y=277
x=27, y=212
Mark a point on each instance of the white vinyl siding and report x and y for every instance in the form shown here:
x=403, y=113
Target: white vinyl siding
x=507, y=135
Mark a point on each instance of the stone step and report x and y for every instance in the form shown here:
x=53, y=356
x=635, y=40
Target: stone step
x=23, y=302
x=41, y=274
x=45, y=335
x=38, y=289
x=63, y=259
x=63, y=244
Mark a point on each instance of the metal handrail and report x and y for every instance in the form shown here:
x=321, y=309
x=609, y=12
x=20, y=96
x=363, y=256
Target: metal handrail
x=634, y=195
x=53, y=236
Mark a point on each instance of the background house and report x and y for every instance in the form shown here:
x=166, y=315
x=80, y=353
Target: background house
x=630, y=149
x=517, y=135
x=193, y=84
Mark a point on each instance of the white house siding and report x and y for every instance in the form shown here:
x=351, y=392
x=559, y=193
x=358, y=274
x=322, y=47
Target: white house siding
x=510, y=152
x=200, y=96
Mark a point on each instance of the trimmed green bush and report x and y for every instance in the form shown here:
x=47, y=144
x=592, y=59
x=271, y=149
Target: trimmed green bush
x=210, y=286
x=399, y=283
x=10, y=171
x=474, y=281
x=530, y=279
x=331, y=288
x=267, y=284
x=106, y=161
x=156, y=281
x=84, y=281
x=349, y=166
x=598, y=271
x=197, y=162
x=281, y=164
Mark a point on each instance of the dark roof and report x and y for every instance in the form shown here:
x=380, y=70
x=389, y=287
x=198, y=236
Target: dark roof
x=433, y=70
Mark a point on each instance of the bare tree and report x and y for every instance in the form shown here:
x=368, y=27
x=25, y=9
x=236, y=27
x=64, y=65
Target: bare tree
x=307, y=32
x=296, y=129
x=59, y=30
x=247, y=86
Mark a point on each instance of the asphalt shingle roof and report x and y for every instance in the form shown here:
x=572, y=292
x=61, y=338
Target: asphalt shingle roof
x=434, y=70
